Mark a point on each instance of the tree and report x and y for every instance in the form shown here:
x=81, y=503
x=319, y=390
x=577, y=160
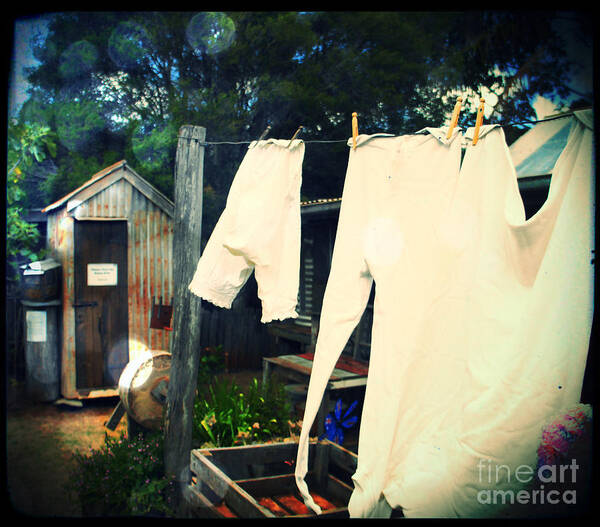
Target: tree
x=85, y=144
x=26, y=144
x=237, y=72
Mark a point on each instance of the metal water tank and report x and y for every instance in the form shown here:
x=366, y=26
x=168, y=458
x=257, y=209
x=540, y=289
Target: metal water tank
x=42, y=358
x=41, y=280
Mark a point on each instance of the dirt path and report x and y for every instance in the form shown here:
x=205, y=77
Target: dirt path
x=40, y=441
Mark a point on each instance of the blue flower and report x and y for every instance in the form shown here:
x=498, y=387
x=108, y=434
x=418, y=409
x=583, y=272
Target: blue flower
x=335, y=423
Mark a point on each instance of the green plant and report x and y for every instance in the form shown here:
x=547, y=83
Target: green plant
x=26, y=143
x=270, y=409
x=226, y=416
x=212, y=361
x=124, y=477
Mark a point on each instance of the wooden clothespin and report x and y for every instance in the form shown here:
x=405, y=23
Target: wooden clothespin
x=294, y=136
x=262, y=136
x=478, y=121
x=354, y=129
x=455, y=115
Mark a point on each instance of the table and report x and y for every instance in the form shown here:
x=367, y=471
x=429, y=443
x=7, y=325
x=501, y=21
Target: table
x=348, y=373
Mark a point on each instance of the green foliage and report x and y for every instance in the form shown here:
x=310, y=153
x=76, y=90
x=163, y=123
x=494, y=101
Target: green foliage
x=74, y=170
x=78, y=124
x=226, y=416
x=21, y=238
x=27, y=143
x=127, y=45
x=211, y=32
x=212, y=361
x=124, y=477
x=153, y=145
x=79, y=59
x=236, y=72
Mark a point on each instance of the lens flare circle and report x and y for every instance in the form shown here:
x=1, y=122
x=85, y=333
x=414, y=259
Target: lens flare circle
x=211, y=32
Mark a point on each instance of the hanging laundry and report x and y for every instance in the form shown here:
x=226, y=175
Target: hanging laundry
x=528, y=289
x=395, y=191
x=259, y=231
x=481, y=319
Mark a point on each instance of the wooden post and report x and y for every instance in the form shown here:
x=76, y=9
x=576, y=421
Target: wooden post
x=185, y=343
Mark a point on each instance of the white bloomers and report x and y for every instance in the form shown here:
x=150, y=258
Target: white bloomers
x=259, y=231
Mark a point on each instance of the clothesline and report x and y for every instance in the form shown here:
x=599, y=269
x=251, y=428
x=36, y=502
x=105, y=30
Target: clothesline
x=205, y=143
x=309, y=141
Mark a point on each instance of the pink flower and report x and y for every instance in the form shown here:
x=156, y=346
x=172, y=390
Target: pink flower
x=561, y=445
x=546, y=455
x=579, y=414
x=561, y=434
x=572, y=426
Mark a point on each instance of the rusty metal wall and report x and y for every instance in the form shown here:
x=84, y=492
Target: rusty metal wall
x=149, y=260
x=60, y=243
x=150, y=271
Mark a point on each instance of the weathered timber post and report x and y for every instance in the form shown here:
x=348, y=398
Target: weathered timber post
x=185, y=344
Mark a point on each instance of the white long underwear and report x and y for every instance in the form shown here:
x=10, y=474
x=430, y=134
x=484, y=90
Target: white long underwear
x=394, y=192
x=480, y=330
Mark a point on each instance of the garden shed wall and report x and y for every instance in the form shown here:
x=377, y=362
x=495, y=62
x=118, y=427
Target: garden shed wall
x=115, y=196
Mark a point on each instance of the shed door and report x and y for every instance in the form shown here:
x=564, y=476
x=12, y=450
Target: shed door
x=100, y=302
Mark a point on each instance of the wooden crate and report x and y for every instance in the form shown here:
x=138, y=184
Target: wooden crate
x=257, y=481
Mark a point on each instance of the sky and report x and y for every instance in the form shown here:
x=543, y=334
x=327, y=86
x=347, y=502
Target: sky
x=24, y=30
x=27, y=27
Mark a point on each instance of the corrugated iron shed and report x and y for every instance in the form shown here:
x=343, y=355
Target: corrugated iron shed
x=120, y=200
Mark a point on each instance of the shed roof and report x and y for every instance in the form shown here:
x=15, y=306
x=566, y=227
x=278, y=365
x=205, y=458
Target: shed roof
x=535, y=153
x=101, y=180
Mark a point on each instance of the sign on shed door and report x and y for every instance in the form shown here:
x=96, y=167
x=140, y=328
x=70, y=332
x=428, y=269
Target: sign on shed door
x=100, y=302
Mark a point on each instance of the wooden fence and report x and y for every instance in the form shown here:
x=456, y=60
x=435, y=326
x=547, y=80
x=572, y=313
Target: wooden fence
x=244, y=339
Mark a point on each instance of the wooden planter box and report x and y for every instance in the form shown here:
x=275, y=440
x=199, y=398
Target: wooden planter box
x=257, y=481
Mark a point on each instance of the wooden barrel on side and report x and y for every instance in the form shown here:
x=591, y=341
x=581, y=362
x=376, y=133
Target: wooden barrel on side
x=143, y=388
